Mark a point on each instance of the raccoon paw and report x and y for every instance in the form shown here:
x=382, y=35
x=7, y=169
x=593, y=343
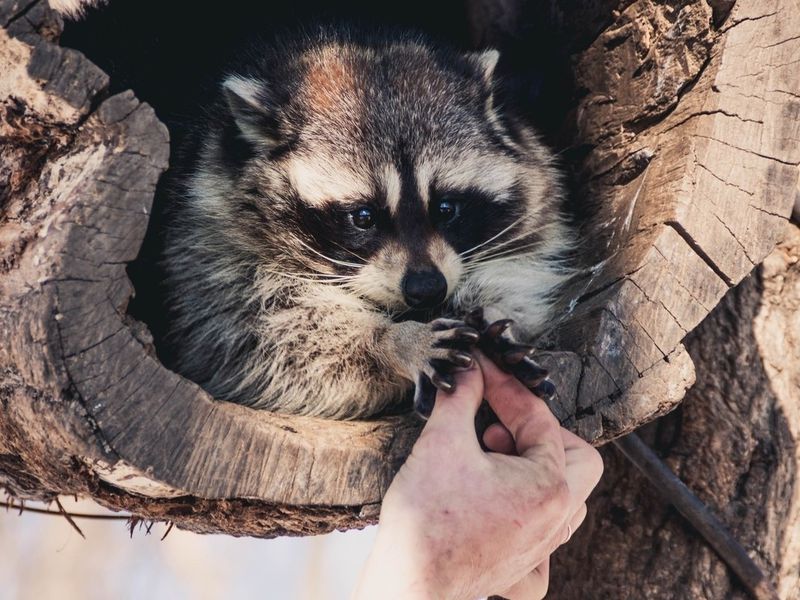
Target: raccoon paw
x=512, y=357
x=448, y=349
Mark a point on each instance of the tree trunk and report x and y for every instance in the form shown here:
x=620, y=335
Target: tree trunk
x=733, y=441
x=686, y=118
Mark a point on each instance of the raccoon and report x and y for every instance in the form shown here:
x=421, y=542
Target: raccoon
x=353, y=196
x=74, y=8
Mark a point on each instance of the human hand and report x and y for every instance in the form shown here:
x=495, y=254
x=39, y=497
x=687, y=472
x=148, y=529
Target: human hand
x=460, y=523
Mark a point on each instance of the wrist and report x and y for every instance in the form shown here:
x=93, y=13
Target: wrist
x=399, y=568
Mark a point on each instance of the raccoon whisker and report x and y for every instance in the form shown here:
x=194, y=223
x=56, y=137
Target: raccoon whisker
x=358, y=256
x=295, y=277
x=505, y=252
x=492, y=250
x=397, y=315
x=342, y=263
x=313, y=277
x=491, y=239
x=500, y=256
x=322, y=275
x=504, y=244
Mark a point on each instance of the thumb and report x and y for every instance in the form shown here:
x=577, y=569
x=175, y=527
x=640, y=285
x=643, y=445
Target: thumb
x=527, y=417
x=454, y=412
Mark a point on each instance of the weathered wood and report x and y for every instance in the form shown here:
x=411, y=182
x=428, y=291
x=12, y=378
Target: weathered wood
x=697, y=514
x=713, y=170
x=75, y=209
x=734, y=442
x=691, y=114
x=690, y=128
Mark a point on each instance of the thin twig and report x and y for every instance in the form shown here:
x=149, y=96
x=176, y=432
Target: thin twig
x=45, y=511
x=699, y=515
x=133, y=521
x=69, y=518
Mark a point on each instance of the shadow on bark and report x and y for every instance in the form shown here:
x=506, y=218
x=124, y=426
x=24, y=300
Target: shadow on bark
x=733, y=442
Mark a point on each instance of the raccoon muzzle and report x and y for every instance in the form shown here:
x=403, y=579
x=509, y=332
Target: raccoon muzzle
x=424, y=289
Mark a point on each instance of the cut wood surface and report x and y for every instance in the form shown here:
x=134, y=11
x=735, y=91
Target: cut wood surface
x=696, y=141
x=692, y=120
x=734, y=441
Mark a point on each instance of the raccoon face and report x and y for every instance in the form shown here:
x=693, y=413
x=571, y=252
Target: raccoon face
x=380, y=167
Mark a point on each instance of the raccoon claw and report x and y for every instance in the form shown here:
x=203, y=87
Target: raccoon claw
x=496, y=329
x=427, y=385
x=509, y=355
x=449, y=350
x=424, y=396
x=517, y=355
x=474, y=319
x=546, y=390
x=467, y=334
x=461, y=359
x=529, y=373
x=464, y=336
x=442, y=380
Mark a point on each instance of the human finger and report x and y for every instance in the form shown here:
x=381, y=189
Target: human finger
x=576, y=521
x=455, y=411
x=498, y=439
x=532, y=425
x=584, y=467
x=570, y=527
x=533, y=586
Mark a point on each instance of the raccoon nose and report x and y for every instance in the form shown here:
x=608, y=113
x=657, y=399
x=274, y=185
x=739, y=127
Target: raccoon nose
x=424, y=289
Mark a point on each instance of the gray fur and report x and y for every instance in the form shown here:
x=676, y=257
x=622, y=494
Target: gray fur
x=74, y=8
x=269, y=312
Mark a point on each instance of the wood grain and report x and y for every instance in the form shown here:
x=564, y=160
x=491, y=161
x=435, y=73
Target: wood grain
x=691, y=120
x=734, y=442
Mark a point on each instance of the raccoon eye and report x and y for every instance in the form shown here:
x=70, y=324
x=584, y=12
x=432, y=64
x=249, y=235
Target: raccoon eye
x=363, y=217
x=445, y=211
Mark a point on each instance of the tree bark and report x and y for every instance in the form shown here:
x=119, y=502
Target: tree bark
x=688, y=121
x=733, y=441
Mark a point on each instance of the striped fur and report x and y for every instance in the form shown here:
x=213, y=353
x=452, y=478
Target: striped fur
x=279, y=301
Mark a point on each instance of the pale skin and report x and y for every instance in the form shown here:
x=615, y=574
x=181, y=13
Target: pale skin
x=458, y=523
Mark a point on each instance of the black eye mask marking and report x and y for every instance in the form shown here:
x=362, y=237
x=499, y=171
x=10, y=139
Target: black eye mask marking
x=334, y=231
x=477, y=217
x=445, y=211
x=364, y=217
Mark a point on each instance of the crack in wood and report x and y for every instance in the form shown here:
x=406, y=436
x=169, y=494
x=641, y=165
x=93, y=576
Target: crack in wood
x=664, y=306
x=20, y=14
x=780, y=216
x=681, y=231
x=747, y=150
x=95, y=344
x=721, y=180
x=736, y=22
x=138, y=390
x=736, y=239
x=707, y=113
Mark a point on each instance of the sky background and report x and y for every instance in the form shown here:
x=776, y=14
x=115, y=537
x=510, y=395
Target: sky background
x=43, y=558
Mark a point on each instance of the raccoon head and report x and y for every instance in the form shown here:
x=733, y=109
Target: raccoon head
x=383, y=166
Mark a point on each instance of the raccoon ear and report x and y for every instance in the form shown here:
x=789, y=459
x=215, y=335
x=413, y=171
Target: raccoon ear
x=249, y=104
x=485, y=63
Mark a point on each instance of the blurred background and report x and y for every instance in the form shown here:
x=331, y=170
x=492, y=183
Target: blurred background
x=42, y=558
